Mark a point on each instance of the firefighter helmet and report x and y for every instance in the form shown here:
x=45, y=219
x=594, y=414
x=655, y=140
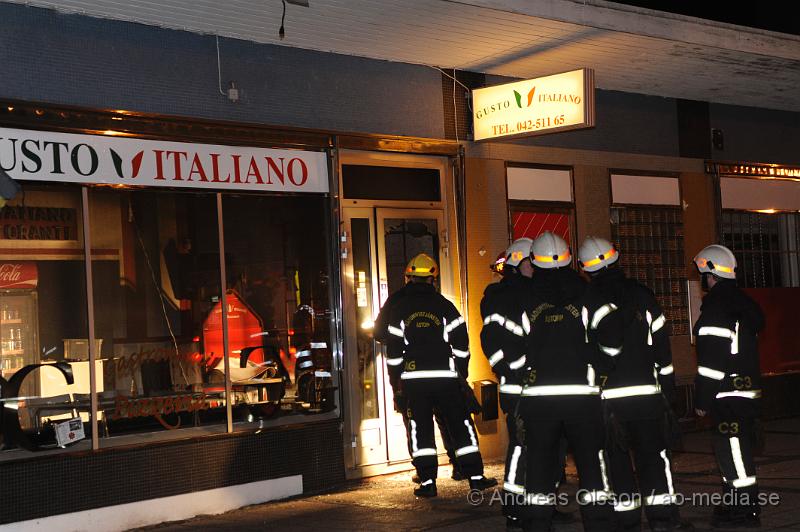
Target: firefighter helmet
x=717, y=260
x=422, y=266
x=550, y=251
x=519, y=250
x=596, y=253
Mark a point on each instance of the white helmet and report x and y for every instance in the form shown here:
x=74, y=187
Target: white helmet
x=519, y=250
x=717, y=260
x=596, y=253
x=550, y=251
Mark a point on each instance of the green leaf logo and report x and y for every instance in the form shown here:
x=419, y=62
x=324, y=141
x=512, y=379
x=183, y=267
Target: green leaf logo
x=117, y=162
x=518, y=96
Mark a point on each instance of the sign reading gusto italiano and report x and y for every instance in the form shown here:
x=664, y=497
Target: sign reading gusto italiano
x=534, y=107
x=108, y=159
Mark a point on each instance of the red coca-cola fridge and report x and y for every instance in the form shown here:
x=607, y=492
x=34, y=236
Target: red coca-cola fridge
x=19, y=343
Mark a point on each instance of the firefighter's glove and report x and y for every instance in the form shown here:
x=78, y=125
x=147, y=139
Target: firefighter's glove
x=400, y=402
x=526, y=376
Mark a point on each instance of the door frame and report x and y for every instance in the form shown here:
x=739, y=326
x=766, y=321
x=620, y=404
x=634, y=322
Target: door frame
x=389, y=455
x=452, y=288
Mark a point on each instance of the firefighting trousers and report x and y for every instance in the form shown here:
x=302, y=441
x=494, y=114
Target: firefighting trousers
x=446, y=440
x=514, y=479
x=516, y=463
x=734, y=440
x=443, y=395
x=647, y=449
x=542, y=442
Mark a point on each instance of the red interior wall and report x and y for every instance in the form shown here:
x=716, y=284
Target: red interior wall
x=779, y=342
x=532, y=224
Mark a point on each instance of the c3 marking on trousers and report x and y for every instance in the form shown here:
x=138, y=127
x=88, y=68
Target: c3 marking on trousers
x=728, y=428
x=411, y=365
x=742, y=383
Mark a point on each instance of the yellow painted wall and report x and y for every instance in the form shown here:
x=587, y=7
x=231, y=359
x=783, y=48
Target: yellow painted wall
x=487, y=235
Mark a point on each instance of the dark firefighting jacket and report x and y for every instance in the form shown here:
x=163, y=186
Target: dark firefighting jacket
x=561, y=370
x=727, y=349
x=625, y=322
x=505, y=324
x=427, y=337
x=380, y=329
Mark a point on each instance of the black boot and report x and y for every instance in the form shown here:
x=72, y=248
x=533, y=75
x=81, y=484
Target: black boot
x=456, y=474
x=481, y=483
x=743, y=512
x=561, y=517
x=669, y=526
x=513, y=523
x=673, y=523
x=426, y=489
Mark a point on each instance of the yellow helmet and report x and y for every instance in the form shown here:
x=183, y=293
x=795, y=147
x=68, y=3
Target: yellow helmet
x=422, y=266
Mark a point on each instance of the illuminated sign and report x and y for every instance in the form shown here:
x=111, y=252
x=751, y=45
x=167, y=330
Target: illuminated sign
x=535, y=107
x=755, y=170
x=111, y=159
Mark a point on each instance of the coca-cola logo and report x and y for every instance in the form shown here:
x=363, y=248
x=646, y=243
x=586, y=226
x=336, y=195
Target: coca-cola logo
x=18, y=275
x=10, y=272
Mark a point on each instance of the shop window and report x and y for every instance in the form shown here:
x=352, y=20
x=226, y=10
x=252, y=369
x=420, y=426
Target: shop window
x=647, y=227
x=279, y=312
x=43, y=323
x=540, y=199
x=767, y=247
x=159, y=310
x=764, y=239
x=155, y=286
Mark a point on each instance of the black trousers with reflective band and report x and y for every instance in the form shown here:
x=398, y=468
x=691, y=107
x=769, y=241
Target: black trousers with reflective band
x=585, y=436
x=443, y=395
x=446, y=439
x=514, y=478
x=516, y=463
x=734, y=439
x=647, y=449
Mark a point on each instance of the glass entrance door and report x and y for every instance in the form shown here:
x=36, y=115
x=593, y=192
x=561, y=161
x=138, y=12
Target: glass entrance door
x=380, y=242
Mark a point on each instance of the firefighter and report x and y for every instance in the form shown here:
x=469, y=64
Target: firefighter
x=428, y=352
x=728, y=383
x=625, y=322
x=381, y=334
x=503, y=341
x=560, y=394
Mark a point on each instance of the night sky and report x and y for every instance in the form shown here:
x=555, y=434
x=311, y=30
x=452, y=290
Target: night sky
x=773, y=16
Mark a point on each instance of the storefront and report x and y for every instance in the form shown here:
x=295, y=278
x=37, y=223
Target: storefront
x=190, y=302
x=122, y=363
x=168, y=296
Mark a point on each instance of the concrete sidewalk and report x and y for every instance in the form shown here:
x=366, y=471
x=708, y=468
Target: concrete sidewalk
x=387, y=502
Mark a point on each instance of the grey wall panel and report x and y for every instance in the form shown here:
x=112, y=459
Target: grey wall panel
x=628, y=123
x=77, y=60
x=757, y=135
